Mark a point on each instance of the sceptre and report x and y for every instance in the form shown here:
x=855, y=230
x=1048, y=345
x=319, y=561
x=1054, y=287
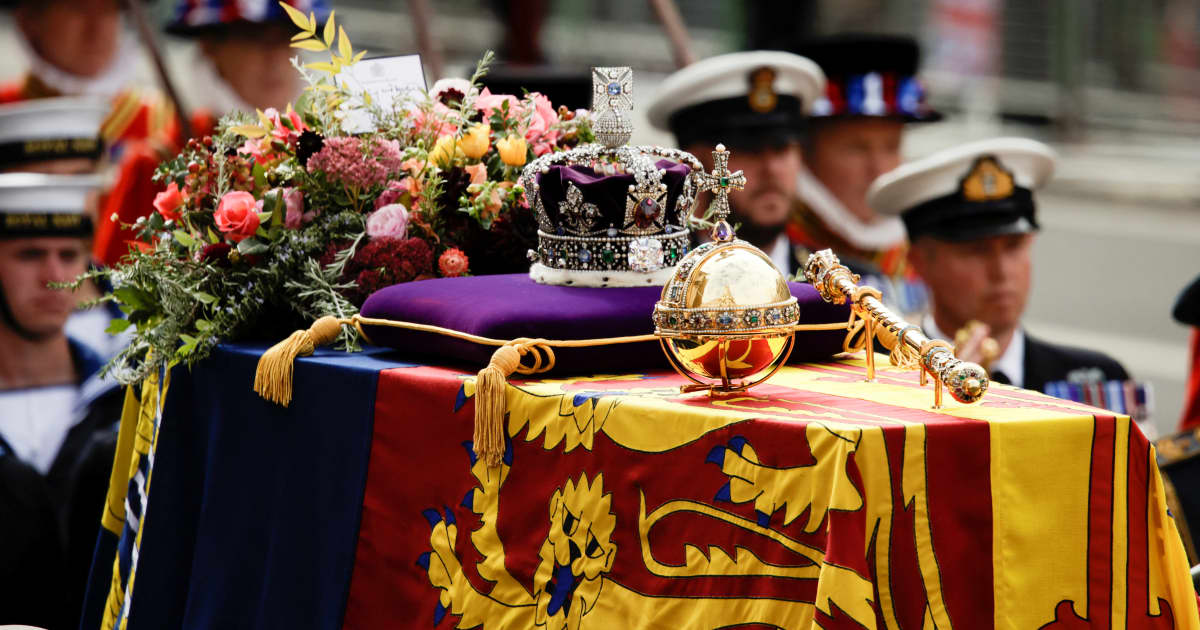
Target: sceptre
x=966, y=381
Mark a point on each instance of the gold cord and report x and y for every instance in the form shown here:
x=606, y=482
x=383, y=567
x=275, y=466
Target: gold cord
x=273, y=377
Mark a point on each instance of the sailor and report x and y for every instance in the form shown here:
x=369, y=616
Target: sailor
x=53, y=403
x=754, y=103
x=62, y=136
x=970, y=215
x=853, y=136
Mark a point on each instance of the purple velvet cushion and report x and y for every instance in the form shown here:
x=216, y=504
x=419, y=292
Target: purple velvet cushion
x=511, y=306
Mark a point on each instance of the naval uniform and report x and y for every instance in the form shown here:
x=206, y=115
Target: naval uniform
x=49, y=511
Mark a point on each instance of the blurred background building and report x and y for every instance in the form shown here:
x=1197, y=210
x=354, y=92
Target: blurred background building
x=1113, y=86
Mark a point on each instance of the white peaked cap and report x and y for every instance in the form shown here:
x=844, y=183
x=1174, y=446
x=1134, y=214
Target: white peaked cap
x=726, y=76
x=914, y=183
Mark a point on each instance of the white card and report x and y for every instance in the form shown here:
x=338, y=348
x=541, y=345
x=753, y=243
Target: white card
x=387, y=80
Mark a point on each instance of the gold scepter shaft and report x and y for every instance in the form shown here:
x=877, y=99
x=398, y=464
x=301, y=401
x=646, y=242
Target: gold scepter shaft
x=966, y=381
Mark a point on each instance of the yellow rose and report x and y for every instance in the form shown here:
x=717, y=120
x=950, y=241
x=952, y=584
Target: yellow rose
x=444, y=151
x=512, y=150
x=476, y=141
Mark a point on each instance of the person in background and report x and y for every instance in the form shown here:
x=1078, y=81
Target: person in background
x=54, y=406
x=243, y=52
x=62, y=136
x=970, y=215
x=242, y=63
x=1187, y=311
x=82, y=48
x=854, y=135
x=754, y=103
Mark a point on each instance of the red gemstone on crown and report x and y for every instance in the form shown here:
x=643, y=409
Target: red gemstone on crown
x=647, y=212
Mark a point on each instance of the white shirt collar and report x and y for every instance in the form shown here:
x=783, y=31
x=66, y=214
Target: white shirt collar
x=1012, y=362
x=118, y=76
x=35, y=422
x=780, y=253
x=882, y=234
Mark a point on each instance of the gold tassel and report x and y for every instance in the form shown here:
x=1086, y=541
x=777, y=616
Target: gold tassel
x=273, y=377
x=491, y=403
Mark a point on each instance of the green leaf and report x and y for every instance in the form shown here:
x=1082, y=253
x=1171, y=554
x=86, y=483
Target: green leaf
x=314, y=45
x=272, y=207
x=117, y=326
x=206, y=298
x=135, y=297
x=185, y=239
x=203, y=325
x=344, y=49
x=298, y=17
x=212, y=236
x=329, y=32
x=260, y=175
x=250, y=131
x=321, y=67
x=251, y=246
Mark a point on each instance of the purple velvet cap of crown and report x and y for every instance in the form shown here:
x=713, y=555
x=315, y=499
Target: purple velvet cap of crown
x=512, y=306
x=608, y=192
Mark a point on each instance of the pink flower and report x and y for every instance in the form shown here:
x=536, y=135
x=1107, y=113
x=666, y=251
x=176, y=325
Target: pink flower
x=390, y=221
x=478, y=173
x=452, y=263
x=395, y=191
x=438, y=121
x=237, y=215
x=413, y=166
x=494, y=202
x=253, y=148
x=294, y=217
x=168, y=202
x=286, y=130
x=489, y=103
x=360, y=164
x=540, y=135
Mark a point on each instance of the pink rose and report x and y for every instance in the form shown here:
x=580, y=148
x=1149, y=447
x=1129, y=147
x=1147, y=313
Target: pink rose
x=489, y=103
x=293, y=202
x=390, y=221
x=237, y=215
x=539, y=134
x=478, y=173
x=168, y=202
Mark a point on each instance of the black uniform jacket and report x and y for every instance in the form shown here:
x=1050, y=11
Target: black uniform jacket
x=1047, y=362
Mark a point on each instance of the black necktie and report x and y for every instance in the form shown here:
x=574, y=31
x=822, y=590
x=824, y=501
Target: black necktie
x=1000, y=377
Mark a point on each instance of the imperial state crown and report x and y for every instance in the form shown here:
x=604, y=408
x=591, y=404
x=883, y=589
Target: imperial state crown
x=610, y=214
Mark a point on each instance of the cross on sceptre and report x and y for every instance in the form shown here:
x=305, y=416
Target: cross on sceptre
x=720, y=181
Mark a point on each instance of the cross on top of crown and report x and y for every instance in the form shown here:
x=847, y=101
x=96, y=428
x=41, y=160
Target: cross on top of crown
x=720, y=181
x=612, y=88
